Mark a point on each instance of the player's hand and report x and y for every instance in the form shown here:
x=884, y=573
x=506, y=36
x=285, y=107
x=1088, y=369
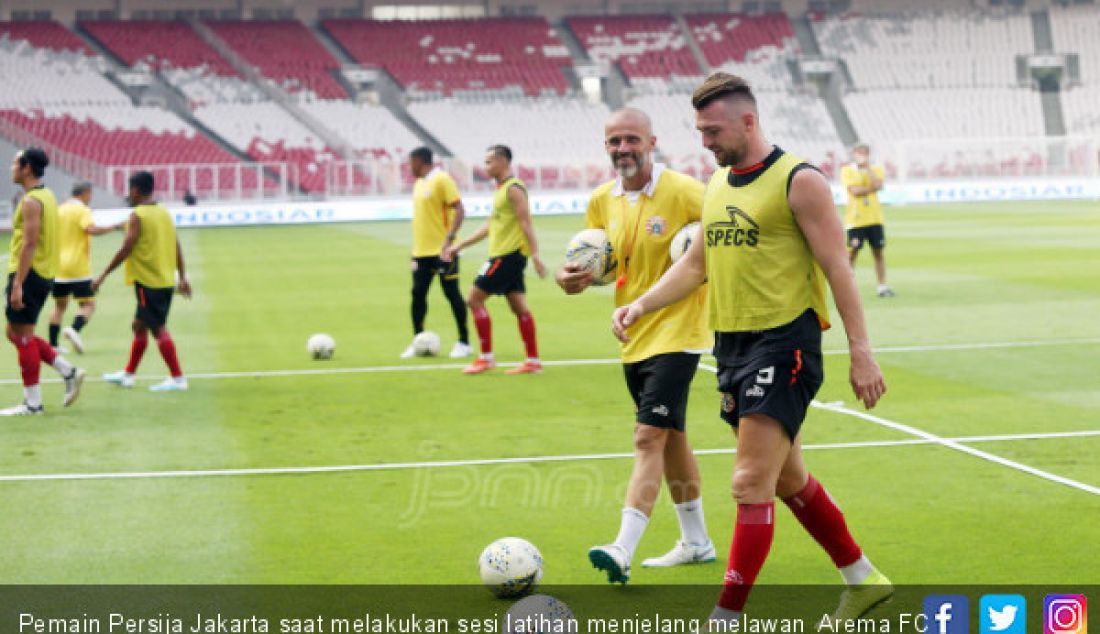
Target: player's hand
x=623, y=318
x=15, y=300
x=185, y=287
x=572, y=278
x=540, y=268
x=866, y=377
x=448, y=254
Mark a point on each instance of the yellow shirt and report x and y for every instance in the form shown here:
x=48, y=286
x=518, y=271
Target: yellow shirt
x=505, y=234
x=760, y=269
x=45, y=252
x=433, y=212
x=862, y=211
x=73, y=220
x=152, y=263
x=641, y=231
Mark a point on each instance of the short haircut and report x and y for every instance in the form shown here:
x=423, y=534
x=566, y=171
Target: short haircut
x=36, y=158
x=721, y=86
x=81, y=187
x=142, y=182
x=503, y=151
x=860, y=146
x=422, y=153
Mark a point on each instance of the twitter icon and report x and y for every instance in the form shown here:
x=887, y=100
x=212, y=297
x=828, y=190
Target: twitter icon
x=1003, y=614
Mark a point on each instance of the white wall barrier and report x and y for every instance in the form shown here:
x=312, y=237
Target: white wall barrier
x=479, y=206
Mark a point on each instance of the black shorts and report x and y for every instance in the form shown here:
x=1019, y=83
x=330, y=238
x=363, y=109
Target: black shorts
x=153, y=305
x=874, y=234
x=659, y=386
x=80, y=289
x=36, y=290
x=427, y=267
x=773, y=372
x=503, y=274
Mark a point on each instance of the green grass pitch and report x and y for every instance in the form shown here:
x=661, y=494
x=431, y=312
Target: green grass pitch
x=1019, y=277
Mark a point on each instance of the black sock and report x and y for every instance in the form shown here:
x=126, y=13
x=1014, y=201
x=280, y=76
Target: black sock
x=55, y=329
x=79, y=322
x=458, y=307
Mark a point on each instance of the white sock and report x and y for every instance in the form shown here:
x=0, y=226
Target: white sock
x=693, y=529
x=534, y=360
x=32, y=394
x=62, y=366
x=883, y=287
x=631, y=530
x=487, y=356
x=727, y=619
x=856, y=573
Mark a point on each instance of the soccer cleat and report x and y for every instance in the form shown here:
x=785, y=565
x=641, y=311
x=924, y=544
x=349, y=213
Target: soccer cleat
x=683, y=553
x=122, y=378
x=409, y=352
x=171, y=384
x=461, y=350
x=527, y=367
x=613, y=559
x=74, y=338
x=857, y=600
x=886, y=291
x=22, y=409
x=72, y=386
x=479, y=366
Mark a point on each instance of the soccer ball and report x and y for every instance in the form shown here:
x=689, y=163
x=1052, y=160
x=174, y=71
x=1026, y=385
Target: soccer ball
x=426, y=344
x=510, y=567
x=321, y=346
x=538, y=614
x=681, y=242
x=592, y=250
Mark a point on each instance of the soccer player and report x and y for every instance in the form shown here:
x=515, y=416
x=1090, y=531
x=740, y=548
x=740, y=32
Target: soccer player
x=863, y=182
x=31, y=268
x=74, y=273
x=511, y=242
x=770, y=239
x=641, y=211
x=437, y=217
x=153, y=256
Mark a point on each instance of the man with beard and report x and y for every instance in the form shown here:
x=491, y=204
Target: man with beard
x=769, y=241
x=641, y=211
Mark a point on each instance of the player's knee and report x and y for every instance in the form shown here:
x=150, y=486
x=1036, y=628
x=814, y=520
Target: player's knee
x=649, y=439
x=790, y=483
x=752, y=485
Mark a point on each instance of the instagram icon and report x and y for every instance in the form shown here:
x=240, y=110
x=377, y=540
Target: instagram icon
x=1065, y=614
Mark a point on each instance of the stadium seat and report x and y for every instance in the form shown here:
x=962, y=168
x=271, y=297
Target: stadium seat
x=645, y=47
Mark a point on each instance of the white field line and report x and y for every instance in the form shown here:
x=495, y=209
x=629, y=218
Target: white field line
x=950, y=443
x=258, y=374
x=400, y=466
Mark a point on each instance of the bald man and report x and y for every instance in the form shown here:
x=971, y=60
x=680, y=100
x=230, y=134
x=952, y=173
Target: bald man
x=641, y=211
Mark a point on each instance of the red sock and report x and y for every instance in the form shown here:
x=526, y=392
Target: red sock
x=484, y=329
x=45, y=350
x=29, y=359
x=752, y=539
x=137, y=349
x=527, y=331
x=168, y=351
x=823, y=520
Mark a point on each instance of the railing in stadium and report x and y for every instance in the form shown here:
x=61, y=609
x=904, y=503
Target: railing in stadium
x=995, y=158
x=211, y=182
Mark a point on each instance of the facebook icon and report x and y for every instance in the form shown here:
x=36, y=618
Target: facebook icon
x=947, y=614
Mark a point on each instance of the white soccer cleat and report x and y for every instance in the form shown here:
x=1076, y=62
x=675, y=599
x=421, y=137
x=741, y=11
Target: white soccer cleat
x=409, y=352
x=171, y=384
x=22, y=409
x=683, y=553
x=72, y=386
x=122, y=378
x=460, y=350
x=612, y=559
x=74, y=338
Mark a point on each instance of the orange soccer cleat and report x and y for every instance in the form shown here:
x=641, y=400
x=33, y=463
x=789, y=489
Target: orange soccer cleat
x=479, y=366
x=527, y=367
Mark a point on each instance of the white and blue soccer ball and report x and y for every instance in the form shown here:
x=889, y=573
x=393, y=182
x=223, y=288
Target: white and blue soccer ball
x=426, y=344
x=681, y=242
x=510, y=567
x=593, y=252
x=539, y=614
x=321, y=346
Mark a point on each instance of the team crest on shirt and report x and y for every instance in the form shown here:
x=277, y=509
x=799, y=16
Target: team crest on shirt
x=728, y=403
x=656, y=226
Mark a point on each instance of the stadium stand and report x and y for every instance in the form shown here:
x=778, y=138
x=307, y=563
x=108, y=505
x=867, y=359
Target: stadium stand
x=286, y=52
x=755, y=47
x=47, y=34
x=509, y=55
x=1077, y=30
x=158, y=45
x=650, y=50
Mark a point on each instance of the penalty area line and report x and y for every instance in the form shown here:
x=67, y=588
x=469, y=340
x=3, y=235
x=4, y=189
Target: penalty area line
x=440, y=464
